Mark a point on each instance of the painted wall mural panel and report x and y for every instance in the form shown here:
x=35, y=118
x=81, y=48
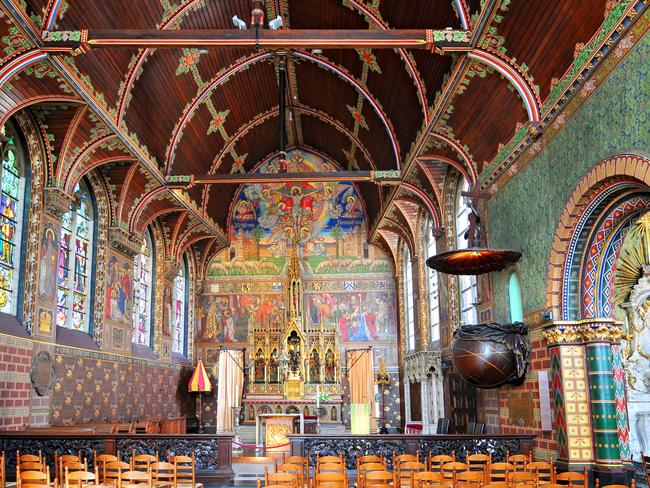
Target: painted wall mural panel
x=48, y=265
x=119, y=289
x=227, y=318
x=348, y=284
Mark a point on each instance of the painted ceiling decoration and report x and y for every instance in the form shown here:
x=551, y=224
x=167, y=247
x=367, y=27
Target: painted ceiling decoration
x=406, y=95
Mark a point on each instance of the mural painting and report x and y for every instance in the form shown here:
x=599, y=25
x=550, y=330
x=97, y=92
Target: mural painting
x=226, y=318
x=349, y=285
x=119, y=290
x=47, y=269
x=359, y=317
x=167, y=324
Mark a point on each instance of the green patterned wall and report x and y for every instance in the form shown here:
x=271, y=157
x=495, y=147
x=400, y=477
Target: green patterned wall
x=523, y=214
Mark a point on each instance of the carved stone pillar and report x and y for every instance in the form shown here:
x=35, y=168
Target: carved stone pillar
x=407, y=400
x=424, y=402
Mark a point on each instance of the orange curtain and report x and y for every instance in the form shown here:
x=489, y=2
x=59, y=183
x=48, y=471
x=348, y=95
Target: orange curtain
x=229, y=391
x=362, y=379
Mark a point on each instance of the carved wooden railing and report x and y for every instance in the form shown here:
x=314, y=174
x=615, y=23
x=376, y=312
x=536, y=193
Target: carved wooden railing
x=212, y=452
x=357, y=445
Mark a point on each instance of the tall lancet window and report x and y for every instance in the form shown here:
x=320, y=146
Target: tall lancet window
x=409, y=307
x=12, y=212
x=143, y=292
x=75, y=262
x=467, y=284
x=180, y=305
x=432, y=285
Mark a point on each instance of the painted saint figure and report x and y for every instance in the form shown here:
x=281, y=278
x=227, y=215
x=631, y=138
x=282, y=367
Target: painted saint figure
x=314, y=367
x=7, y=231
x=329, y=367
x=47, y=266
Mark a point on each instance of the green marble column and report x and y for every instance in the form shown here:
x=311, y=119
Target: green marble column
x=602, y=395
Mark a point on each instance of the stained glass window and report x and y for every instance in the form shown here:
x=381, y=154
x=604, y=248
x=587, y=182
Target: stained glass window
x=432, y=285
x=142, y=292
x=12, y=183
x=75, y=263
x=467, y=284
x=513, y=298
x=409, y=299
x=178, y=334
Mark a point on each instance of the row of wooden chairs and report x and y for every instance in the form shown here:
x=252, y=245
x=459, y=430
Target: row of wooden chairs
x=477, y=471
x=71, y=469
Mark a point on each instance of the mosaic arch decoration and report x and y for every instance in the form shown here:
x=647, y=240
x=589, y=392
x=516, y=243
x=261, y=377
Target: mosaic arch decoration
x=348, y=284
x=594, y=246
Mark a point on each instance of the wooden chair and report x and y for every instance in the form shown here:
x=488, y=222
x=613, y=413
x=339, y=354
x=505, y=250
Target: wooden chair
x=436, y=462
x=79, y=478
x=376, y=479
x=330, y=480
x=632, y=485
x=135, y=479
x=60, y=460
x=449, y=470
x=112, y=470
x=500, y=473
x=29, y=458
x=330, y=459
x=571, y=478
x=282, y=479
x=30, y=466
x=405, y=472
x=99, y=460
x=294, y=469
x=405, y=458
x=162, y=474
x=364, y=469
x=33, y=477
x=479, y=462
x=301, y=461
x=72, y=466
x=519, y=461
x=543, y=472
x=142, y=462
x=54, y=484
x=470, y=479
x=185, y=472
x=370, y=459
x=497, y=484
x=523, y=479
x=427, y=479
x=330, y=468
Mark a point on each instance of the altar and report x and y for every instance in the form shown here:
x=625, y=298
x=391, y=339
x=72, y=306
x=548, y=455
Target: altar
x=278, y=428
x=294, y=365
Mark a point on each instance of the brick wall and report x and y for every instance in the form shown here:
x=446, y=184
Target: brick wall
x=15, y=385
x=545, y=445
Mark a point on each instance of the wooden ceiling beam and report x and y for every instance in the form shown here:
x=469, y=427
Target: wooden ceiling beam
x=85, y=40
x=381, y=177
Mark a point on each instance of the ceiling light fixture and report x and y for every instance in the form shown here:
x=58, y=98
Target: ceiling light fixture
x=474, y=260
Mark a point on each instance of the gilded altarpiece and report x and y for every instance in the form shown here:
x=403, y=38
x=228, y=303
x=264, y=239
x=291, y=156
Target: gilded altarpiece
x=299, y=282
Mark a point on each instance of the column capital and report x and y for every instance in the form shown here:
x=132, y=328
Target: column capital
x=122, y=240
x=171, y=269
x=585, y=330
x=56, y=201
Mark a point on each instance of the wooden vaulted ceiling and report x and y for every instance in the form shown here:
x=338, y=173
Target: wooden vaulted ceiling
x=196, y=112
